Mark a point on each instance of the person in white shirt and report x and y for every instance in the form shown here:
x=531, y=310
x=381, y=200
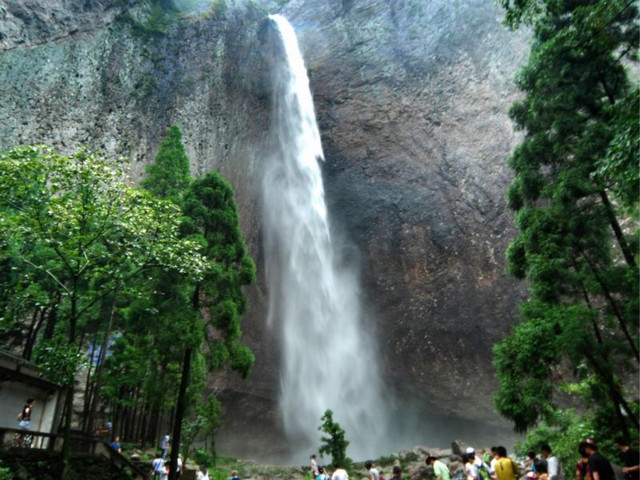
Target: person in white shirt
x=492, y=464
x=470, y=467
x=340, y=473
x=164, y=446
x=158, y=466
x=374, y=474
x=554, y=467
x=202, y=474
x=477, y=460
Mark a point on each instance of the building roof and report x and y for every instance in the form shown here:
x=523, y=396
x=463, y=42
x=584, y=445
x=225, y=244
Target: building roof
x=16, y=368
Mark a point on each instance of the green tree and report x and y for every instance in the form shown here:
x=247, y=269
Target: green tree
x=575, y=192
x=335, y=443
x=73, y=225
x=165, y=309
x=211, y=220
x=168, y=177
x=218, y=301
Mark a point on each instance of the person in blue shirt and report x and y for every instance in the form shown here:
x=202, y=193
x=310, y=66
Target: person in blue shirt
x=115, y=445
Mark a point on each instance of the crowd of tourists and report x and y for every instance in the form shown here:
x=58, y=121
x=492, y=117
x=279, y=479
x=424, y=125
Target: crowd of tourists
x=497, y=465
x=320, y=473
x=161, y=464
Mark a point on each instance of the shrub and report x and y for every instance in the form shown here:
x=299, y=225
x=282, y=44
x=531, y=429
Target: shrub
x=202, y=457
x=336, y=443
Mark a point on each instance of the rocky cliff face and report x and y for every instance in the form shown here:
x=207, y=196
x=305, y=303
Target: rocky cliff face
x=411, y=98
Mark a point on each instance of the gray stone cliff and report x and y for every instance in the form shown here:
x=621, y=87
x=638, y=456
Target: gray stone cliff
x=411, y=99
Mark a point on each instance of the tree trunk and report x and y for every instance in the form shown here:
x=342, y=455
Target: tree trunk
x=614, y=306
x=70, y=384
x=38, y=316
x=52, y=318
x=100, y=366
x=627, y=251
x=88, y=392
x=180, y=409
x=154, y=420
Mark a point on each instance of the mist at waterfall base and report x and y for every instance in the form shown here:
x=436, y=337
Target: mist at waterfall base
x=330, y=357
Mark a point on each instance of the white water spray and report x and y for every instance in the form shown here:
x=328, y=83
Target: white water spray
x=328, y=356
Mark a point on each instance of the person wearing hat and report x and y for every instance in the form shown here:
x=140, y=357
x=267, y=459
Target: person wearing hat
x=470, y=467
x=478, y=468
x=599, y=466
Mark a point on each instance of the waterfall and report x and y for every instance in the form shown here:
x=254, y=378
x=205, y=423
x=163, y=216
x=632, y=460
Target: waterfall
x=328, y=356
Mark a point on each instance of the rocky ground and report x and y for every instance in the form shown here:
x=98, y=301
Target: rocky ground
x=411, y=462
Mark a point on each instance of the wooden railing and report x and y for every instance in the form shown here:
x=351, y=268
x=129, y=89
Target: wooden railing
x=20, y=438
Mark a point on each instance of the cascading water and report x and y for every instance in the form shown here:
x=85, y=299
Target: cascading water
x=328, y=356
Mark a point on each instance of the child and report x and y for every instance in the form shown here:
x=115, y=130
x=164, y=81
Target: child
x=321, y=474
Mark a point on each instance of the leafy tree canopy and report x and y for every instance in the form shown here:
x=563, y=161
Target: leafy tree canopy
x=335, y=442
x=73, y=233
x=575, y=194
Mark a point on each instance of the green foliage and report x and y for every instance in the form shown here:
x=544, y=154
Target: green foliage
x=58, y=360
x=205, y=421
x=618, y=169
x=564, y=431
x=386, y=461
x=207, y=310
x=153, y=20
x=168, y=177
x=335, y=443
x=202, y=457
x=5, y=473
x=410, y=457
x=87, y=260
x=211, y=220
x=209, y=8
x=575, y=192
x=74, y=233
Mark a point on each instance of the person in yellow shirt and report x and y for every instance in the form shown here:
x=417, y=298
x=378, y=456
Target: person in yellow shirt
x=506, y=469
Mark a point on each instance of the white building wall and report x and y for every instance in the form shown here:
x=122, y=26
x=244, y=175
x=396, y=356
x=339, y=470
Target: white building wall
x=13, y=396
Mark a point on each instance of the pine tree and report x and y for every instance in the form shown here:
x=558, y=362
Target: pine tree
x=217, y=300
x=575, y=192
x=168, y=177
